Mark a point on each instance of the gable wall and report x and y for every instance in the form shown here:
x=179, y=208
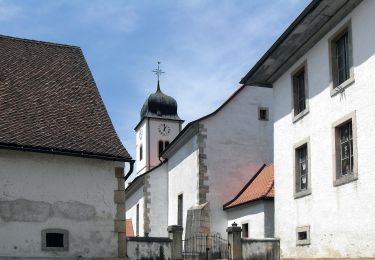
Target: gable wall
x=236, y=146
x=40, y=191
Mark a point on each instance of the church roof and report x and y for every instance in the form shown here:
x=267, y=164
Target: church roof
x=160, y=105
x=261, y=186
x=49, y=102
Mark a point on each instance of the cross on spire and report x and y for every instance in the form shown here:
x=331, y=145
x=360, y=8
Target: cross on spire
x=158, y=73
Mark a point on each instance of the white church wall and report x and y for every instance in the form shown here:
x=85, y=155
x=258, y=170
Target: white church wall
x=132, y=200
x=158, y=216
x=156, y=136
x=237, y=145
x=252, y=214
x=141, y=140
x=42, y=191
x=340, y=217
x=183, y=179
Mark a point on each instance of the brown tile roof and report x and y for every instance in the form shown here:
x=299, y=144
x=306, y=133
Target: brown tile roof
x=49, y=102
x=261, y=186
x=129, y=228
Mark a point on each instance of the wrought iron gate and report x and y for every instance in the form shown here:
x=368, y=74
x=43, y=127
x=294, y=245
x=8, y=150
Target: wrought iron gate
x=205, y=247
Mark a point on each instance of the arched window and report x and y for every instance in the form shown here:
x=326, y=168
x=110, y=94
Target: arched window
x=140, y=153
x=166, y=144
x=161, y=147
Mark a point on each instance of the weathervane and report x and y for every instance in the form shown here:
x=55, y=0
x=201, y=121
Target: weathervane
x=158, y=71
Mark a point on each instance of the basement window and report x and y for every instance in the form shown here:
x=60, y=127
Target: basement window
x=303, y=235
x=55, y=240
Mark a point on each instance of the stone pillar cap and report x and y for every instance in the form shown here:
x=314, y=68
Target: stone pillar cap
x=234, y=228
x=175, y=228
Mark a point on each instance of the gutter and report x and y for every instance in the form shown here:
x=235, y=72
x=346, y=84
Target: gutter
x=26, y=148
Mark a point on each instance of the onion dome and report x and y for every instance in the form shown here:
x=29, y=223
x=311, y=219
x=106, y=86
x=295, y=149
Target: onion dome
x=160, y=105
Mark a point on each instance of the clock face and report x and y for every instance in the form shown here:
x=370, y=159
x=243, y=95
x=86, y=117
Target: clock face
x=164, y=129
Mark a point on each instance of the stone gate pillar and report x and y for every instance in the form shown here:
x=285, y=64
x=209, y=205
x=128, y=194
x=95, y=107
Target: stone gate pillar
x=175, y=233
x=234, y=240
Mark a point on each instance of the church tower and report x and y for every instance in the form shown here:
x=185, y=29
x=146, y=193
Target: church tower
x=159, y=125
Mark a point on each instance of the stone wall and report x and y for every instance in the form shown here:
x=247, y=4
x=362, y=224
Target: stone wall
x=261, y=249
x=146, y=248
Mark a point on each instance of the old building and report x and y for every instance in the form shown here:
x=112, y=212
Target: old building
x=322, y=73
x=252, y=208
x=62, y=163
x=202, y=167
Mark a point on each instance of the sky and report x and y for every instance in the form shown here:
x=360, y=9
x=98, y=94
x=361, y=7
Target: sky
x=204, y=46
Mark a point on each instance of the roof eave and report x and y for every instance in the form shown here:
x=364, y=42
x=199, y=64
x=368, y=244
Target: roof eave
x=65, y=152
x=268, y=74
x=248, y=202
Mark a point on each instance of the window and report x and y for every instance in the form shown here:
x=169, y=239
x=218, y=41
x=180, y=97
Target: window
x=166, y=144
x=55, y=240
x=180, y=210
x=299, y=91
x=140, y=153
x=161, y=147
x=302, y=169
x=345, y=150
x=137, y=221
x=303, y=235
x=263, y=113
x=341, y=59
x=245, y=230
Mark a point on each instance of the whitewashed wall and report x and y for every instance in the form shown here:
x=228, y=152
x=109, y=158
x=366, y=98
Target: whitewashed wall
x=341, y=218
x=158, y=217
x=237, y=145
x=150, y=141
x=40, y=191
x=155, y=136
x=132, y=200
x=183, y=178
x=141, y=140
x=252, y=214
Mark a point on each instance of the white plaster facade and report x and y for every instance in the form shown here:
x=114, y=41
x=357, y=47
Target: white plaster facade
x=148, y=136
x=156, y=196
x=237, y=144
x=183, y=170
x=340, y=217
x=259, y=216
x=41, y=191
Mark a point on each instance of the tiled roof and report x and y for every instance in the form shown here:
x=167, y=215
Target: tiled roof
x=49, y=102
x=129, y=228
x=261, y=186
